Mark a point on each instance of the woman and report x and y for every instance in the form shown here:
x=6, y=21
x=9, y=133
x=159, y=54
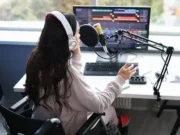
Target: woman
x=57, y=87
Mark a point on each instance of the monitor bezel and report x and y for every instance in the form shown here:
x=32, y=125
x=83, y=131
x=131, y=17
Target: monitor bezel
x=126, y=7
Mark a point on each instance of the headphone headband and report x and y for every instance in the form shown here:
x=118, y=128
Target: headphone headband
x=63, y=21
x=58, y=15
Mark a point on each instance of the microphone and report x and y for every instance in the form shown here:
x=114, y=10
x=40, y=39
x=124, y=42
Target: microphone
x=88, y=35
x=102, y=40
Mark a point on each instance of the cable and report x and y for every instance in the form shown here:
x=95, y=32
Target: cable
x=162, y=54
x=104, y=57
x=120, y=49
x=132, y=38
x=155, y=45
x=136, y=56
x=117, y=47
x=163, y=57
x=123, y=52
x=159, y=78
x=110, y=56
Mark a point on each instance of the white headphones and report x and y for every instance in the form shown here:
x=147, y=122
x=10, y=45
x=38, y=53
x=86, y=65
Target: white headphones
x=67, y=27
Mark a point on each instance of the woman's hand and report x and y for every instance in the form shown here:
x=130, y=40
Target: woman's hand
x=127, y=71
x=77, y=49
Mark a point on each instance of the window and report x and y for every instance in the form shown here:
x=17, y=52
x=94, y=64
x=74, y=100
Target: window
x=163, y=12
x=34, y=10
x=28, y=15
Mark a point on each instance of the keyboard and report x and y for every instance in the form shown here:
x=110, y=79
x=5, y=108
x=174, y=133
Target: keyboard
x=104, y=68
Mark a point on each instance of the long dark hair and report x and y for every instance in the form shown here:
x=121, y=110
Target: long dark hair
x=48, y=63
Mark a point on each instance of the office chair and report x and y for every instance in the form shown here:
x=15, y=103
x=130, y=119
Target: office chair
x=1, y=93
x=22, y=123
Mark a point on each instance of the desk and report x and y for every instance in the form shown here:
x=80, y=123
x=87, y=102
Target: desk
x=147, y=63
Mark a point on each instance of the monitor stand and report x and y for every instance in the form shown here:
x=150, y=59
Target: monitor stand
x=120, y=58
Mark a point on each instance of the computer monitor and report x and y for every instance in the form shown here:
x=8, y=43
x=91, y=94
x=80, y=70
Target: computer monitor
x=133, y=19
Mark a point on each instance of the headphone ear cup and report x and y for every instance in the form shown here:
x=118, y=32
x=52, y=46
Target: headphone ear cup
x=72, y=43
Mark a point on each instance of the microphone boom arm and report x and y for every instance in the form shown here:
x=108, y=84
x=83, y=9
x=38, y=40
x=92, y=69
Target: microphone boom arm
x=166, y=49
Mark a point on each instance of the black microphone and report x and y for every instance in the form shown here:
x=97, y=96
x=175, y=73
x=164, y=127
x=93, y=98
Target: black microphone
x=102, y=39
x=88, y=35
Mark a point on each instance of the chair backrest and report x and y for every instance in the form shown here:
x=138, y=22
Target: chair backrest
x=96, y=126
x=97, y=129
x=93, y=126
x=27, y=126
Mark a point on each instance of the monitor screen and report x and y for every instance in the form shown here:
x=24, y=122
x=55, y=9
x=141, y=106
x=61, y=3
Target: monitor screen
x=133, y=19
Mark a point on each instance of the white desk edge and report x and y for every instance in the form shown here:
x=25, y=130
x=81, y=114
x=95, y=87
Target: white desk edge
x=168, y=91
